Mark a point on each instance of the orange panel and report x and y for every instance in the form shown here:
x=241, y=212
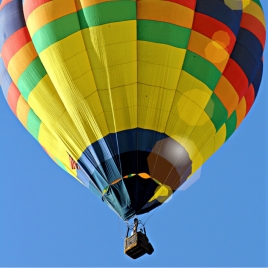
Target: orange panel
x=227, y=94
x=241, y=111
x=166, y=12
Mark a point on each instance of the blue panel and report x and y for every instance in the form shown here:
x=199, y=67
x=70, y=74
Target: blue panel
x=257, y=79
x=104, y=157
x=102, y=150
x=93, y=172
x=249, y=41
x=112, y=170
x=238, y=12
x=88, y=183
x=246, y=61
x=219, y=11
x=5, y=79
x=82, y=177
x=148, y=138
x=127, y=140
x=11, y=20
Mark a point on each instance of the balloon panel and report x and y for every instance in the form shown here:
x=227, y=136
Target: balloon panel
x=131, y=97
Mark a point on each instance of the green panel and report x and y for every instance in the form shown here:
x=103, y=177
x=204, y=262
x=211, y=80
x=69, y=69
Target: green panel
x=163, y=33
x=31, y=77
x=55, y=31
x=107, y=12
x=216, y=111
x=33, y=124
x=258, y=2
x=231, y=125
x=201, y=69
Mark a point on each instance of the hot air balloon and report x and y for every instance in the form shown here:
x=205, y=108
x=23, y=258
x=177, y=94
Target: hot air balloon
x=131, y=97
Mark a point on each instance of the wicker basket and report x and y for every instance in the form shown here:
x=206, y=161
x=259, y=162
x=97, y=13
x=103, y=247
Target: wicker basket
x=137, y=245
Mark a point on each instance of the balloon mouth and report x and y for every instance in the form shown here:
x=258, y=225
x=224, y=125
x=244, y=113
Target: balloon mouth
x=141, y=175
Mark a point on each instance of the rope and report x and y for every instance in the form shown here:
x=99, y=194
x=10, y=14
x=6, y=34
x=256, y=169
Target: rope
x=119, y=227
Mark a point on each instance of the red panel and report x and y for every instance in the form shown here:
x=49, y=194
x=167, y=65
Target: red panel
x=252, y=24
x=12, y=97
x=14, y=43
x=29, y=6
x=250, y=97
x=236, y=77
x=208, y=26
x=73, y=164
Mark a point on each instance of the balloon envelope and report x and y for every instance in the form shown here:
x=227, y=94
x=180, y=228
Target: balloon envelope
x=131, y=97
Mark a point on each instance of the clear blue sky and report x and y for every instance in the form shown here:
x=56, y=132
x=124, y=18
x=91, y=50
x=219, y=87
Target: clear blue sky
x=48, y=219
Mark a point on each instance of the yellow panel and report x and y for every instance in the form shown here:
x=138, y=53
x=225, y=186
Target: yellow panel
x=158, y=75
x=188, y=111
x=70, y=46
x=155, y=97
x=118, y=98
x=112, y=51
x=114, y=45
x=125, y=118
x=51, y=111
x=63, y=72
x=197, y=162
x=210, y=50
x=110, y=33
x=63, y=129
x=241, y=111
x=165, y=11
x=48, y=12
x=161, y=54
x=153, y=104
x=86, y=84
x=197, y=128
x=194, y=89
x=116, y=76
x=78, y=65
x=46, y=104
x=151, y=118
x=204, y=128
x=83, y=126
x=74, y=140
x=22, y=111
x=123, y=99
x=256, y=11
x=94, y=104
x=54, y=148
x=20, y=61
x=159, y=65
x=192, y=150
x=220, y=137
x=113, y=54
x=204, y=139
x=103, y=124
x=208, y=149
x=178, y=127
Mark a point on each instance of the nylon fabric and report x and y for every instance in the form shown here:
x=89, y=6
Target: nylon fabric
x=138, y=94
